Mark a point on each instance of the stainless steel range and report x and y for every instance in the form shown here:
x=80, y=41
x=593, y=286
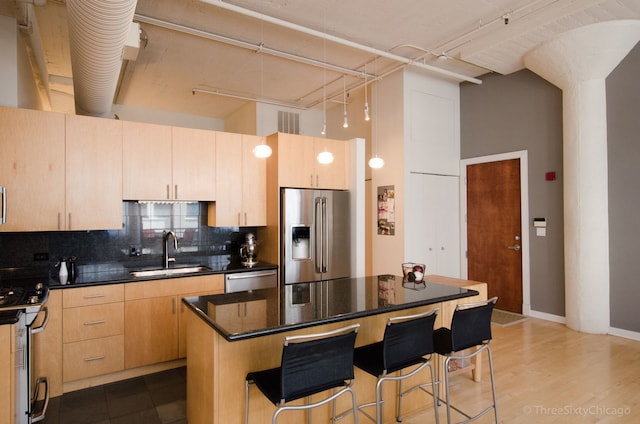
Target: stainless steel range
x=27, y=297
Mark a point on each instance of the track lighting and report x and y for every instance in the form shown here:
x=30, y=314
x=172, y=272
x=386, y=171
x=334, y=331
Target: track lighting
x=366, y=110
x=324, y=128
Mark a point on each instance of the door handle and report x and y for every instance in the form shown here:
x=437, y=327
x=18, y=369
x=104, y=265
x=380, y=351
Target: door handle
x=515, y=247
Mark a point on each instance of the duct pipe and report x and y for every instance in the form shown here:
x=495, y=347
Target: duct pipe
x=578, y=62
x=97, y=34
x=342, y=41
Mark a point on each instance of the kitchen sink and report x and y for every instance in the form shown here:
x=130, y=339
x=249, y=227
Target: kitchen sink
x=168, y=271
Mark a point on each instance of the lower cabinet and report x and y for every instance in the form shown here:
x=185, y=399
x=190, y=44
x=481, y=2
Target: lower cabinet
x=238, y=317
x=7, y=362
x=154, y=330
x=93, y=331
x=100, y=330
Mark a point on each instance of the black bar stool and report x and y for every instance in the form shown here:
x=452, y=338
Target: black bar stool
x=310, y=364
x=408, y=341
x=470, y=327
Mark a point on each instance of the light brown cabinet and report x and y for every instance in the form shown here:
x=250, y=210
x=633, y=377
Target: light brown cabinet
x=93, y=331
x=7, y=364
x=93, y=173
x=32, y=169
x=168, y=163
x=241, y=187
x=298, y=165
x=152, y=317
x=60, y=172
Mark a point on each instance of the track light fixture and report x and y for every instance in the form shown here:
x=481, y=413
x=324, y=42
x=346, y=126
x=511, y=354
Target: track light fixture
x=366, y=102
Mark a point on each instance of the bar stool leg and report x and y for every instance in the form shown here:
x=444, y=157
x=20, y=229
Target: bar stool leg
x=399, y=412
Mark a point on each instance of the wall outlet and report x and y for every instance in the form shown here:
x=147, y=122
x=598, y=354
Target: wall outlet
x=44, y=256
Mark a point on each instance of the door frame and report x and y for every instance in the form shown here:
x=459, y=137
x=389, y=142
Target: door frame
x=524, y=214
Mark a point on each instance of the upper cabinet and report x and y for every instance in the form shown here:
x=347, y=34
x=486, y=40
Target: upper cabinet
x=240, y=182
x=32, y=169
x=60, y=172
x=168, y=163
x=298, y=165
x=93, y=173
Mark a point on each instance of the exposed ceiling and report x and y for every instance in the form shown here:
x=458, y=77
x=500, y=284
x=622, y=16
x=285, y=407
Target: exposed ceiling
x=237, y=47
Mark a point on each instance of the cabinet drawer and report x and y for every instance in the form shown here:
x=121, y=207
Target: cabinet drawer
x=92, y=322
x=95, y=295
x=174, y=287
x=90, y=358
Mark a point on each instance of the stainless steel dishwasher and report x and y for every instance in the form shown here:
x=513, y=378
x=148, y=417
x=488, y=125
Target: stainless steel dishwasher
x=250, y=280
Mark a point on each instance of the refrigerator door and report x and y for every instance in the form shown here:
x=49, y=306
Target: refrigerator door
x=315, y=235
x=335, y=229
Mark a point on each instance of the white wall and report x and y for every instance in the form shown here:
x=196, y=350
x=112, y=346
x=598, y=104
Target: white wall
x=8, y=64
x=129, y=113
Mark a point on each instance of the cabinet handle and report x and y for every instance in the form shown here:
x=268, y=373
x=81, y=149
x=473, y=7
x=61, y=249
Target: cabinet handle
x=94, y=358
x=239, y=223
x=173, y=305
x=70, y=227
x=95, y=322
x=245, y=218
x=93, y=296
x=311, y=180
x=175, y=192
x=3, y=218
x=59, y=221
x=168, y=192
x=317, y=181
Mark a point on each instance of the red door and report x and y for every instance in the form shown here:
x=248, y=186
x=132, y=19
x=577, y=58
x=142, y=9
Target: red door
x=493, y=230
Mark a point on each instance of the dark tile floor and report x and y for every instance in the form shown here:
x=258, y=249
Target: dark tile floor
x=152, y=399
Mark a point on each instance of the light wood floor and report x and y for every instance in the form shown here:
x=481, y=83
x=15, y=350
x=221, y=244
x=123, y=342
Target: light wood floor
x=547, y=373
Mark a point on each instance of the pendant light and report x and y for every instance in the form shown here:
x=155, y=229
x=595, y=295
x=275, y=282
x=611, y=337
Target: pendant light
x=366, y=103
x=345, y=123
x=262, y=150
x=375, y=162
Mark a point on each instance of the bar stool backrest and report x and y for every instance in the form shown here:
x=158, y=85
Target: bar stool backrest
x=471, y=324
x=313, y=366
x=407, y=340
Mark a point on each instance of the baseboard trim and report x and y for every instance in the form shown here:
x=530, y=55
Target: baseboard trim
x=547, y=317
x=627, y=334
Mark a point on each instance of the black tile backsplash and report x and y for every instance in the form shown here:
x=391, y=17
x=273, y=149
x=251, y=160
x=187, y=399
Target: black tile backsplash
x=139, y=242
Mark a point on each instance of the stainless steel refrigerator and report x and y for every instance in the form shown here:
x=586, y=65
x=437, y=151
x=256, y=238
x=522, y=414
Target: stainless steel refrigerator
x=315, y=239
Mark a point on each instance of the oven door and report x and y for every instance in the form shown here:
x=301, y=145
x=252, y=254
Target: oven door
x=38, y=389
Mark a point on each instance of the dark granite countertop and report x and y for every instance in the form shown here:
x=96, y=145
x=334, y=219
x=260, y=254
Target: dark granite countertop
x=304, y=305
x=113, y=273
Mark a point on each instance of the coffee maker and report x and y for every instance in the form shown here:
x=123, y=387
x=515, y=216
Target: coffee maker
x=248, y=250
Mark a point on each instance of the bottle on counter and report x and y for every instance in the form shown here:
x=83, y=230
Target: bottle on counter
x=63, y=273
x=72, y=270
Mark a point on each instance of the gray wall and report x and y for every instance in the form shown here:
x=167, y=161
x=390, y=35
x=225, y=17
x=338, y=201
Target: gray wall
x=515, y=112
x=522, y=111
x=623, y=127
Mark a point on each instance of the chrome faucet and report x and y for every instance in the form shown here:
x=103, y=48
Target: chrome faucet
x=165, y=244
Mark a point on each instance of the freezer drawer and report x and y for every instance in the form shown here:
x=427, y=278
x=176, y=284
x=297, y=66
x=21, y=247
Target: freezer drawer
x=252, y=280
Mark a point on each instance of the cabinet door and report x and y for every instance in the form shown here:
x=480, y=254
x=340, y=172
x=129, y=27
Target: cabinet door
x=296, y=159
x=228, y=208
x=93, y=173
x=332, y=175
x=194, y=165
x=146, y=161
x=254, y=184
x=151, y=331
x=7, y=363
x=32, y=167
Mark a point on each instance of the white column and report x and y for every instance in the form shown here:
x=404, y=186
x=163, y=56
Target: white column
x=578, y=62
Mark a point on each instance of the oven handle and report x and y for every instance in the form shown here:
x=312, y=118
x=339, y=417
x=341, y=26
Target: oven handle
x=39, y=407
x=42, y=326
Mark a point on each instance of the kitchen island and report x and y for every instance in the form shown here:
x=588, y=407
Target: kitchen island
x=232, y=334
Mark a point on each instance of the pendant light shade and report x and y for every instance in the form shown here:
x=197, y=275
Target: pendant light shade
x=325, y=157
x=376, y=162
x=262, y=151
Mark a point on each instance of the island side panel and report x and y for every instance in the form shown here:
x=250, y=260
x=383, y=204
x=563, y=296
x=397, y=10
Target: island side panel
x=201, y=361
